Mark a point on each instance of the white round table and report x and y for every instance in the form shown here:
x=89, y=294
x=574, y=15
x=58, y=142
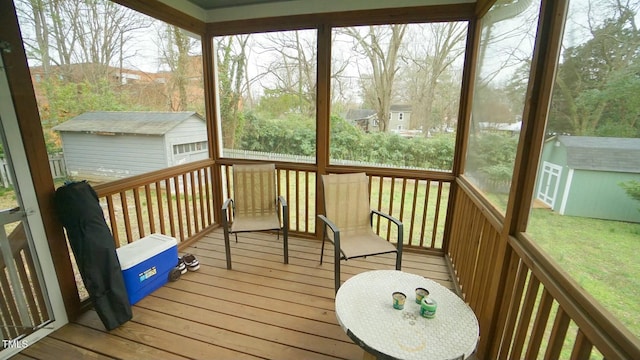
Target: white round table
x=364, y=308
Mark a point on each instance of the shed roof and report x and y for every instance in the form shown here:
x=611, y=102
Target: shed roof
x=602, y=153
x=123, y=122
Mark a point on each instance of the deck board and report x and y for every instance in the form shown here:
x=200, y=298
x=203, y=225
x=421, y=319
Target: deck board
x=262, y=309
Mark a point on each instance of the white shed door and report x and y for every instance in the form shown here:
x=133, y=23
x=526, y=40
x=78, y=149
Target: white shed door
x=549, y=183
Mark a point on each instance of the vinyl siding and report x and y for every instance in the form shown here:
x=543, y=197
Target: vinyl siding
x=112, y=156
x=596, y=194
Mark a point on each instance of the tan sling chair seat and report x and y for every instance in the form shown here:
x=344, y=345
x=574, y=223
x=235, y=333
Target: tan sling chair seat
x=255, y=205
x=349, y=217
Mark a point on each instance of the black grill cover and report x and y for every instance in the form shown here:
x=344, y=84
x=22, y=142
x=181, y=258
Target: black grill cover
x=95, y=252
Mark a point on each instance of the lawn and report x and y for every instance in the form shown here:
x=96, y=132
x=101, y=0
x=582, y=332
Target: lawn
x=601, y=255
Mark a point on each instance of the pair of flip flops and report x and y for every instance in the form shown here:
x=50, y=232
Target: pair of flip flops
x=188, y=262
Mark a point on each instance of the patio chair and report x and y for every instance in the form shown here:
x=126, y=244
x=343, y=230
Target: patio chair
x=350, y=218
x=254, y=205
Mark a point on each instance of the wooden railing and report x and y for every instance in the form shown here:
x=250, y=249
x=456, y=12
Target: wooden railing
x=419, y=201
x=23, y=306
x=176, y=201
x=536, y=310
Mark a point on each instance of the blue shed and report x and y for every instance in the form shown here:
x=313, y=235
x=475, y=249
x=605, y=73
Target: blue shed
x=581, y=176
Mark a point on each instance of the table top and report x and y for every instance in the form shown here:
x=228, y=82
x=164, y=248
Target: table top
x=364, y=308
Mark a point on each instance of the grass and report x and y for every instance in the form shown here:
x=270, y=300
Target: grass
x=601, y=255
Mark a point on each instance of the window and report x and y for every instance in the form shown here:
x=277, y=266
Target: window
x=502, y=76
x=190, y=147
x=267, y=95
x=117, y=86
x=586, y=212
x=370, y=122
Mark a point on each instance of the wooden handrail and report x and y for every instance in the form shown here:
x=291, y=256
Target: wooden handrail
x=540, y=301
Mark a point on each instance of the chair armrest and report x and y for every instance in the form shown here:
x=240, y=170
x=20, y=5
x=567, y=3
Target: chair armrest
x=225, y=206
x=386, y=216
x=282, y=201
x=225, y=212
x=395, y=221
x=285, y=211
x=330, y=224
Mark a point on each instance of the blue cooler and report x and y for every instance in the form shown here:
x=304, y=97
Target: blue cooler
x=146, y=264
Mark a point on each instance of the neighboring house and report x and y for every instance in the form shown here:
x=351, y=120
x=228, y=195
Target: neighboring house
x=110, y=145
x=580, y=176
x=399, y=118
x=150, y=89
x=367, y=119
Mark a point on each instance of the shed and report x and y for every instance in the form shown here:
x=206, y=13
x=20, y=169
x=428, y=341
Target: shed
x=110, y=145
x=580, y=176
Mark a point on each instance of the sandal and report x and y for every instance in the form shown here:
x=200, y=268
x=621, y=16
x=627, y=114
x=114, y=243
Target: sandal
x=191, y=262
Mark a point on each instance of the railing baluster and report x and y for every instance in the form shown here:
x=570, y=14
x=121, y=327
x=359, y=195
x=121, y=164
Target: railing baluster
x=558, y=335
x=297, y=220
x=136, y=200
x=201, y=174
x=176, y=181
x=436, y=216
x=125, y=216
x=208, y=171
x=581, y=348
x=113, y=220
x=194, y=203
x=160, y=205
x=539, y=325
x=150, y=216
x=187, y=211
x=413, y=210
x=307, y=219
x=172, y=221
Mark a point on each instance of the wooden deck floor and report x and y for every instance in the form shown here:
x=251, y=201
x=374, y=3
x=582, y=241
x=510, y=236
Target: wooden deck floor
x=262, y=309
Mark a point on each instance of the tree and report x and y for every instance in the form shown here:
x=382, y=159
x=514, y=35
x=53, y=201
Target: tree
x=430, y=71
x=598, y=80
x=63, y=33
x=231, y=56
x=175, y=54
x=292, y=72
x=380, y=46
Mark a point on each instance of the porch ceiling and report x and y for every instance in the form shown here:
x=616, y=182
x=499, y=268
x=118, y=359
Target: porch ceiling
x=227, y=10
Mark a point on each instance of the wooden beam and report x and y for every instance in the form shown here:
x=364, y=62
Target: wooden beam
x=541, y=80
x=24, y=102
x=421, y=14
x=545, y=59
x=483, y=6
x=323, y=114
x=166, y=13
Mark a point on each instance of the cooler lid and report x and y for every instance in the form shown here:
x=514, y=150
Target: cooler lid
x=140, y=250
